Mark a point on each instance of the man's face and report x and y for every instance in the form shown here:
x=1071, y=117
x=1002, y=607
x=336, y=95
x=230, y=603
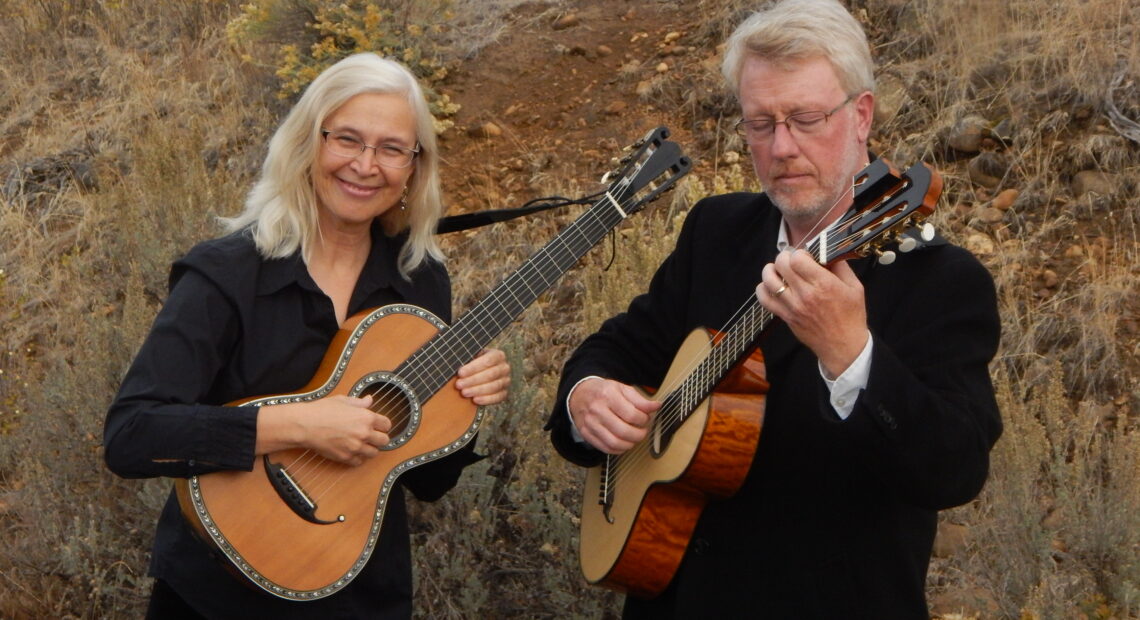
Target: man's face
x=805, y=173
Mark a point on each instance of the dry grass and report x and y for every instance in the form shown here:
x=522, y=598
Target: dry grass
x=126, y=126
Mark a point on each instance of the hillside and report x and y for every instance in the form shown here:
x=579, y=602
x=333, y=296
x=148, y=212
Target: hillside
x=126, y=127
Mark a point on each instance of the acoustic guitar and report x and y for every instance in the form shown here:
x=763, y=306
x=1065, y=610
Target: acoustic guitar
x=640, y=508
x=302, y=527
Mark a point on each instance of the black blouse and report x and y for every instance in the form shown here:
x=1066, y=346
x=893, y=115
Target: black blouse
x=234, y=326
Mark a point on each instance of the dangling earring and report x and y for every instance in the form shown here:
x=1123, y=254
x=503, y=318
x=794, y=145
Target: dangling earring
x=404, y=199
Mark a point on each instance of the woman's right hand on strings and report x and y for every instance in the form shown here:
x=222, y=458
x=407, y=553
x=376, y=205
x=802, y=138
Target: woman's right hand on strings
x=339, y=428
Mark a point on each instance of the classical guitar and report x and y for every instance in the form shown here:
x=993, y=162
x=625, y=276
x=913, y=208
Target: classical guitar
x=302, y=527
x=640, y=508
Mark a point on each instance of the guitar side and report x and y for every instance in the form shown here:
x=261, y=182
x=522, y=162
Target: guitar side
x=243, y=515
x=638, y=544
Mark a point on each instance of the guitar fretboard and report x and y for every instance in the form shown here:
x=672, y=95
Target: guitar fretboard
x=430, y=368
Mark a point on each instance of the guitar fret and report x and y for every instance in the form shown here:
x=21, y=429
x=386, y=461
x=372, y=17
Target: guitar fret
x=440, y=357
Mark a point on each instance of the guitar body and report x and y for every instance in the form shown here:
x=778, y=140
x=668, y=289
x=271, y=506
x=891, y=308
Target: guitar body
x=243, y=514
x=641, y=507
x=637, y=544
x=300, y=526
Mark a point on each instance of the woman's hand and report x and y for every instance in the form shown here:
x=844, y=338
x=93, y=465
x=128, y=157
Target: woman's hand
x=486, y=378
x=339, y=428
x=345, y=430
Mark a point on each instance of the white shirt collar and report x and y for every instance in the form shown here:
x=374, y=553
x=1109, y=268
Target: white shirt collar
x=782, y=238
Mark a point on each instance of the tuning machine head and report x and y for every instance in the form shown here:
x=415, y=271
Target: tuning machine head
x=908, y=242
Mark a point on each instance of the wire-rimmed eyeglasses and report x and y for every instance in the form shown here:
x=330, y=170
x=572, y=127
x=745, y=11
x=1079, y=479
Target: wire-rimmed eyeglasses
x=760, y=130
x=388, y=155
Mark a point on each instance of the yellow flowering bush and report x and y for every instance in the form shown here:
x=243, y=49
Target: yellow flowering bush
x=306, y=36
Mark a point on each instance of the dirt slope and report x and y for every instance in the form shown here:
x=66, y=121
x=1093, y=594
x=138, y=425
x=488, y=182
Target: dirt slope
x=560, y=93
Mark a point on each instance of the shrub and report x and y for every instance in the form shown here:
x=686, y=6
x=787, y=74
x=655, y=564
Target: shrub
x=310, y=35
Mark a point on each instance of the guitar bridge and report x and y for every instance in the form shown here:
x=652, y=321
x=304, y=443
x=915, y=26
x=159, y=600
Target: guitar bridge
x=292, y=494
x=606, y=490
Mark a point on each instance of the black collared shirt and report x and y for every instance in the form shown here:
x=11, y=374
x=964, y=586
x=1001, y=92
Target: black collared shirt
x=235, y=326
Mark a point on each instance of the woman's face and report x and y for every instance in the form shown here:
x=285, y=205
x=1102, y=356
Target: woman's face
x=352, y=191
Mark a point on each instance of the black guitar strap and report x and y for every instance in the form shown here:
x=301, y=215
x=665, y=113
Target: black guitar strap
x=467, y=221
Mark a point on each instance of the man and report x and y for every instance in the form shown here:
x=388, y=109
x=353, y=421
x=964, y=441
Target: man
x=880, y=412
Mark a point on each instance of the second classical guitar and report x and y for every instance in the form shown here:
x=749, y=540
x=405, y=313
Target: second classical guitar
x=640, y=508
x=302, y=527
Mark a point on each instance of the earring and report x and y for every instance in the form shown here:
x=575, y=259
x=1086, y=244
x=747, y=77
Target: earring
x=404, y=199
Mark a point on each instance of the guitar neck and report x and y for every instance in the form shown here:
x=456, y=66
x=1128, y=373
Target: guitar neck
x=430, y=368
x=728, y=348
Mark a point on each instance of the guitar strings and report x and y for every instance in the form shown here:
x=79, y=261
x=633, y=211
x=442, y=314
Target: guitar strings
x=682, y=395
x=675, y=406
x=509, y=286
x=565, y=247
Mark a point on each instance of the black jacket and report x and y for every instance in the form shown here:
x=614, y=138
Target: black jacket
x=837, y=517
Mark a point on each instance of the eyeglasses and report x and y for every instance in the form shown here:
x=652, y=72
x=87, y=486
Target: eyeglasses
x=387, y=155
x=761, y=130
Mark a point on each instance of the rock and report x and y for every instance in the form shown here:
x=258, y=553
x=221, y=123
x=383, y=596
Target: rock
x=950, y=539
x=1005, y=199
x=662, y=67
x=615, y=108
x=604, y=50
x=980, y=244
x=964, y=603
x=1003, y=132
x=644, y=89
x=566, y=21
x=987, y=169
x=1050, y=278
x=890, y=97
x=486, y=130
x=609, y=144
x=49, y=175
x=967, y=134
x=992, y=215
x=1093, y=182
x=672, y=36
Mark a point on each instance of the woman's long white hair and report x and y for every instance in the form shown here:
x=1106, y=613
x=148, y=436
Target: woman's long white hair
x=281, y=209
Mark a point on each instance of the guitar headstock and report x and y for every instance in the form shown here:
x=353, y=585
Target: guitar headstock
x=888, y=207
x=654, y=164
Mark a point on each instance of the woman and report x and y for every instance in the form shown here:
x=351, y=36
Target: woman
x=341, y=220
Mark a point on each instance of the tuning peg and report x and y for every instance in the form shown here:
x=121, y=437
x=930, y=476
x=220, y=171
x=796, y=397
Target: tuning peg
x=927, y=232
x=885, y=258
x=907, y=243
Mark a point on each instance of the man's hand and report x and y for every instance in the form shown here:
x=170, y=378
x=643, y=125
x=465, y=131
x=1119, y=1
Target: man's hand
x=611, y=416
x=823, y=306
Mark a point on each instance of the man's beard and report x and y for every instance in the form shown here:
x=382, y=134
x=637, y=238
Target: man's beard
x=811, y=205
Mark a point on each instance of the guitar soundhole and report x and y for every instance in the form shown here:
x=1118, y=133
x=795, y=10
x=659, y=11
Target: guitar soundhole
x=392, y=398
